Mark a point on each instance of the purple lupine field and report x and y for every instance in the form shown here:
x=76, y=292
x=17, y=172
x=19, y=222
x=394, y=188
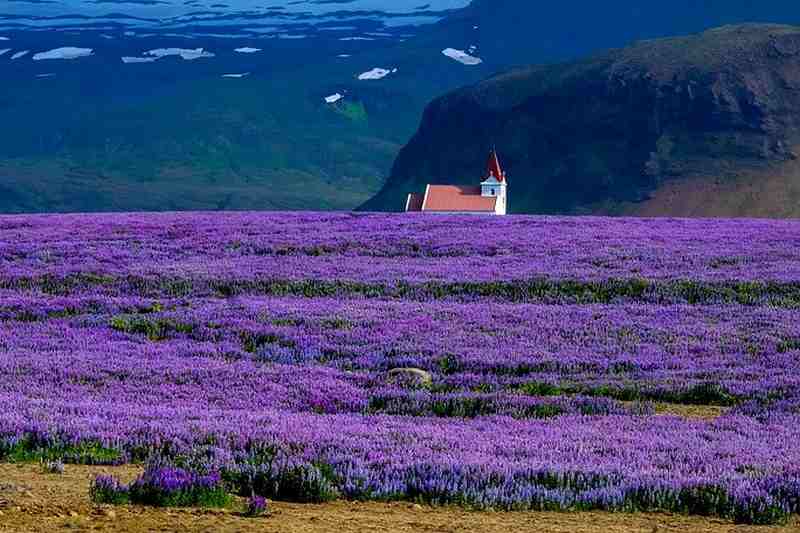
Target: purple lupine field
x=261, y=352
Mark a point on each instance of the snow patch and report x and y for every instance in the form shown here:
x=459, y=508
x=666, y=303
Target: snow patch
x=332, y=99
x=376, y=74
x=65, y=52
x=18, y=55
x=4, y=51
x=247, y=50
x=187, y=54
x=242, y=75
x=462, y=57
x=139, y=59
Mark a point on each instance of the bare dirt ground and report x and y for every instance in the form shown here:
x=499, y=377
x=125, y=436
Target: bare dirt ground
x=702, y=412
x=769, y=191
x=31, y=500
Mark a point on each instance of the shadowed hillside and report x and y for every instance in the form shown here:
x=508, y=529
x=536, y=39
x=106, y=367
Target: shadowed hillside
x=617, y=126
x=760, y=190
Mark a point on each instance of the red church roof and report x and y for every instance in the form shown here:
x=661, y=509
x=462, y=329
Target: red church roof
x=461, y=198
x=494, y=167
x=457, y=198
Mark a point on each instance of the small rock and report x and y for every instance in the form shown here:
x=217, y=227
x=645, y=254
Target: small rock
x=417, y=507
x=410, y=377
x=111, y=514
x=29, y=494
x=73, y=514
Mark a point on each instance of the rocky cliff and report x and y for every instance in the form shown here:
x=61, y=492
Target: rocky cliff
x=614, y=128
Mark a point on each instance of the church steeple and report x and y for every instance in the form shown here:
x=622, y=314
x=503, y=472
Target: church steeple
x=494, y=167
x=495, y=185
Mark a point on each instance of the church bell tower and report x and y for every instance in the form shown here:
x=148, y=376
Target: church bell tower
x=496, y=184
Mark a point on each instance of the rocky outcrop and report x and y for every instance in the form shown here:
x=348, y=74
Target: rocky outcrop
x=616, y=126
x=410, y=377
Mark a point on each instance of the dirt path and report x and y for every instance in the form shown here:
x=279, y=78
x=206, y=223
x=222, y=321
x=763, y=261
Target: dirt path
x=31, y=500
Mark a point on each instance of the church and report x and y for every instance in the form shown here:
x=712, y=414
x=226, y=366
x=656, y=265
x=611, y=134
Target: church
x=488, y=198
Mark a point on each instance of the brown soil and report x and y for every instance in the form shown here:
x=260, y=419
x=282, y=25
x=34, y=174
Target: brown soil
x=31, y=500
x=701, y=412
x=704, y=412
x=770, y=191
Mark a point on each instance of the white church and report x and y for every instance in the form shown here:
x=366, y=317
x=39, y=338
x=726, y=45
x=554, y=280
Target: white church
x=488, y=198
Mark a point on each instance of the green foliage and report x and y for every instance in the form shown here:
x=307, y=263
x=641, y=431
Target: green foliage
x=336, y=323
x=788, y=344
x=760, y=513
x=705, y=500
x=305, y=483
x=541, y=290
x=544, y=411
x=448, y=364
x=252, y=342
x=287, y=322
x=156, y=329
x=536, y=388
x=699, y=394
x=33, y=450
x=355, y=111
x=108, y=490
x=195, y=497
x=623, y=367
x=159, y=492
x=703, y=394
x=462, y=407
x=483, y=388
x=308, y=484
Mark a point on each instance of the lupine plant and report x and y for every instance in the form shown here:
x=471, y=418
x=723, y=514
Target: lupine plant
x=252, y=354
x=256, y=506
x=163, y=486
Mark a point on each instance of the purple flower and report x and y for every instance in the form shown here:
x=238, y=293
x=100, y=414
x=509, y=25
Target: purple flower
x=251, y=353
x=108, y=489
x=256, y=506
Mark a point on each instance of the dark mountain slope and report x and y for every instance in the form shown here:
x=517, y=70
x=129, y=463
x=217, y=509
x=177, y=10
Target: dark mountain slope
x=614, y=127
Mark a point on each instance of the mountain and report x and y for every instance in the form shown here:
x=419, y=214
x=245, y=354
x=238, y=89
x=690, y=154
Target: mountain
x=659, y=123
x=173, y=128
x=145, y=121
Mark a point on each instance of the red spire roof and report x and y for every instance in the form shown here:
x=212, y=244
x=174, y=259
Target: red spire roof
x=494, y=167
